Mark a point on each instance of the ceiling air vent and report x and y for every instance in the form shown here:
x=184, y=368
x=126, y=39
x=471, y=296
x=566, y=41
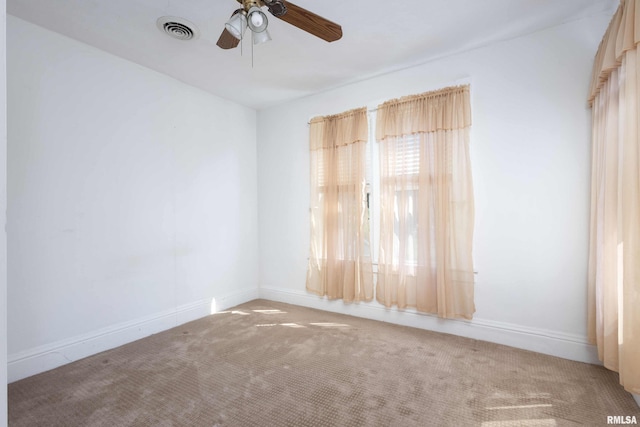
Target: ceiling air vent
x=178, y=28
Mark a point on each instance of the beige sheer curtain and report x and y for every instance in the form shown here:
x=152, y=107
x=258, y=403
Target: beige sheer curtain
x=614, y=253
x=340, y=259
x=426, y=197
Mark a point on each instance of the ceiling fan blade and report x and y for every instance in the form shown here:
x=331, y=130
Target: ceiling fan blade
x=311, y=23
x=227, y=41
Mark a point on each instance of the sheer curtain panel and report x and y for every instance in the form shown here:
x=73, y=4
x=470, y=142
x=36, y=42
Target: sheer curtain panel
x=340, y=258
x=614, y=250
x=426, y=203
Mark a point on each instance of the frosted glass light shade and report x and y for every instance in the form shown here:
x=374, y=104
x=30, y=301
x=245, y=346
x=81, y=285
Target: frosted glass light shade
x=237, y=25
x=263, y=37
x=257, y=20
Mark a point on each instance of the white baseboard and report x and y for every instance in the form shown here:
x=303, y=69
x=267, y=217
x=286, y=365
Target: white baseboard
x=637, y=398
x=43, y=358
x=554, y=343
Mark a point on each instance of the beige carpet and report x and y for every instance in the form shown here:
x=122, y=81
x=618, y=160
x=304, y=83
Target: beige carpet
x=271, y=364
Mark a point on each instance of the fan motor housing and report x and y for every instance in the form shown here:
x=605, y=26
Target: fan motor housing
x=276, y=7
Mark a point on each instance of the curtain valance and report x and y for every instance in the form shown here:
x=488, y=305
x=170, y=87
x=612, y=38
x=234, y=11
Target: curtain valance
x=444, y=109
x=339, y=129
x=623, y=34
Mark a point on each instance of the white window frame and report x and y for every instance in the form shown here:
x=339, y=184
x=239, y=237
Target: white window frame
x=374, y=185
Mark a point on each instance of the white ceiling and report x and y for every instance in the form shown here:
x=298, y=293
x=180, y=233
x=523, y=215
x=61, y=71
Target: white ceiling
x=379, y=36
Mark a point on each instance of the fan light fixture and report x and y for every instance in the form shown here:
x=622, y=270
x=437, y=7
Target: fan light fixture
x=261, y=37
x=257, y=19
x=237, y=24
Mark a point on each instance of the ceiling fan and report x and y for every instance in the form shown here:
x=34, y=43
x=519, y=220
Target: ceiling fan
x=251, y=15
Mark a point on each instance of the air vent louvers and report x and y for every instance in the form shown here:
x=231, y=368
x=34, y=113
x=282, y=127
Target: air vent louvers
x=177, y=28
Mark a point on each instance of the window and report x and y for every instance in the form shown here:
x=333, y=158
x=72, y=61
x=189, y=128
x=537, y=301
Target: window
x=426, y=203
x=408, y=186
x=340, y=259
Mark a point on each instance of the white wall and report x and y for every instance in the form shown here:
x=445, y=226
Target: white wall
x=132, y=201
x=3, y=216
x=531, y=163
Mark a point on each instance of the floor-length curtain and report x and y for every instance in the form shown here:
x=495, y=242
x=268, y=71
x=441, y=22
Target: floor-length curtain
x=614, y=253
x=426, y=203
x=340, y=258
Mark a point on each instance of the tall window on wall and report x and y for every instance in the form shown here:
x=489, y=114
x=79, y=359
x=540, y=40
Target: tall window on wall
x=614, y=247
x=340, y=257
x=426, y=203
